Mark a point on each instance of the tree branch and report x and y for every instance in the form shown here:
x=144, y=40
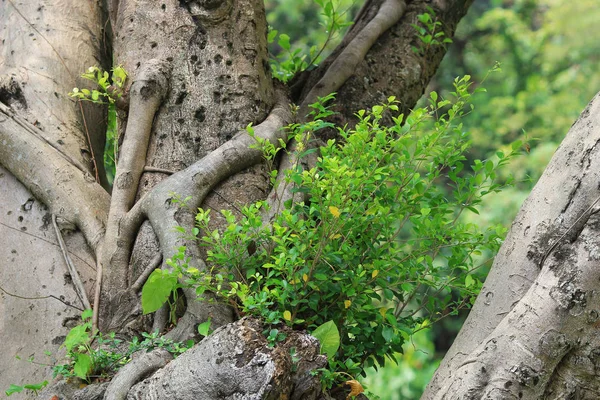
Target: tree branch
x=345, y=63
x=79, y=288
x=53, y=179
x=146, y=94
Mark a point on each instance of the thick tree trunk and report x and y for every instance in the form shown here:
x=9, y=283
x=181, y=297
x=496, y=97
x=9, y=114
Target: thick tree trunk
x=533, y=332
x=198, y=75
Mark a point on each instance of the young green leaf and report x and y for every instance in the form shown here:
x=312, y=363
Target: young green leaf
x=157, y=290
x=329, y=337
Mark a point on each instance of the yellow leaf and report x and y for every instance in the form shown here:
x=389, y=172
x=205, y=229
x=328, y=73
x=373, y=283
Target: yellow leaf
x=383, y=311
x=334, y=211
x=305, y=278
x=355, y=388
x=374, y=273
x=287, y=315
x=347, y=303
x=336, y=236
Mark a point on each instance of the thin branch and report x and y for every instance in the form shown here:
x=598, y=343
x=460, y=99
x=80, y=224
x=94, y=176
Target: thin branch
x=40, y=135
x=160, y=170
x=39, y=298
x=345, y=64
x=75, y=278
x=89, y=141
x=154, y=263
x=97, y=291
x=47, y=241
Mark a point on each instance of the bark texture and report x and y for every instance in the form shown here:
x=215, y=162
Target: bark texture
x=234, y=362
x=532, y=333
x=198, y=75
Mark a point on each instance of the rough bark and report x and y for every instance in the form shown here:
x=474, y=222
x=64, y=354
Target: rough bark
x=532, y=333
x=391, y=66
x=198, y=76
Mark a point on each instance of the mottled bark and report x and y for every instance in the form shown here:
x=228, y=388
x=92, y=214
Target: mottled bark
x=532, y=333
x=198, y=75
x=390, y=67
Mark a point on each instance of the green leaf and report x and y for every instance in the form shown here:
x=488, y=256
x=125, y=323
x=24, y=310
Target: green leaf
x=469, y=281
x=204, y=328
x=284, y=41
x=271, y=36
x=157, y=290
x=329, y=337
x=83, y=365
x=87, y=314
x=387, y=333
x=77, y=335
x=14, y=389
x=36, y=386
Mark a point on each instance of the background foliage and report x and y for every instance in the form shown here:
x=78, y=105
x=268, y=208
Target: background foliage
x=549, y=57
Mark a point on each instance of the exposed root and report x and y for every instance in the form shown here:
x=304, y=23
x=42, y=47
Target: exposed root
x=345, y=64
x=136, y=370
x=75, y=278
x=61, y=184
x=40, y=135
x=155, y=263
x=236, y=361
x=146, y=94
x=194, y=182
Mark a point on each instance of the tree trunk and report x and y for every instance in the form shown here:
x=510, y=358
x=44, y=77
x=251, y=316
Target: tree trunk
x=199, y=75
x=532, y=333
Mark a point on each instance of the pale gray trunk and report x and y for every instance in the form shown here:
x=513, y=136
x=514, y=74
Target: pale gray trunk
x=533, y=332
x=198, y=75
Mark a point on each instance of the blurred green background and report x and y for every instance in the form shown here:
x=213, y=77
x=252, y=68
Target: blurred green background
x=548, y=54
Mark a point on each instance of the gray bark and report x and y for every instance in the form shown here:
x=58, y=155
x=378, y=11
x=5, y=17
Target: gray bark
x=532, y=333
x=198, y=75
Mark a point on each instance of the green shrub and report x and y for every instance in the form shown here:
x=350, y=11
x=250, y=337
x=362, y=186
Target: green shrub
x=379, y=249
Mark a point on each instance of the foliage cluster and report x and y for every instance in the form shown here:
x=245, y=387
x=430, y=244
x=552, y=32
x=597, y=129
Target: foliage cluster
x=309, y=48
x=109, y=88
x=379, y=247
x=90, y=354
x=549, y=74
x=109, y=353
x=429, y=32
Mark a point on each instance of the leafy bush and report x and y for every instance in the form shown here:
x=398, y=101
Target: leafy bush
x=110, y=354
x=379, y=249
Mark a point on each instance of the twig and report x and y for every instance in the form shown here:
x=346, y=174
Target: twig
x=75, y=278
x=97, y=289
x=154, y=263
x=39, y=298
x=161, y=170
x=227, y=201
